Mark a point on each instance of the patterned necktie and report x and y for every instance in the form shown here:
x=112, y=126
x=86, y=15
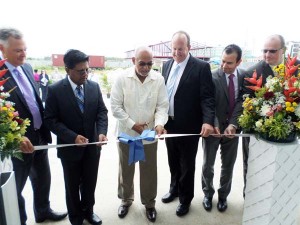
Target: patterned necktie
x=171, y=83
x=231, y=94
x=80, y=98
x=30, y=99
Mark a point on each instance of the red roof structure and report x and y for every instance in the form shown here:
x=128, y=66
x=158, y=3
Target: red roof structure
x=163, y=51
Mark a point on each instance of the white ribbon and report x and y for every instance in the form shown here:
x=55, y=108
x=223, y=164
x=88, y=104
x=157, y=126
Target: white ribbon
x=42, y=147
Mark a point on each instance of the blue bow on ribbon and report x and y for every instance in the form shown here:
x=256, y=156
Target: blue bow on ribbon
x=136, y=147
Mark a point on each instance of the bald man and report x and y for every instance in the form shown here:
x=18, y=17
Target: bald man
x=139, y=101
x=273, y=55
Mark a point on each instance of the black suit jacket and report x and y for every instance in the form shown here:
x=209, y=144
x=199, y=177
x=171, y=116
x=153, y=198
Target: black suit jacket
x=262, y=69
x=17, y=97
x=194, y=100
x=64, y=118
x=222, y=99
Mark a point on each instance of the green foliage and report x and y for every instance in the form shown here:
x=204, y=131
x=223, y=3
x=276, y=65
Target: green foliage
x=105, y=83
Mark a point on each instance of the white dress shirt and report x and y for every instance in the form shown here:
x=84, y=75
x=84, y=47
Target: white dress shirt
x=135, y=102
x=180, y=72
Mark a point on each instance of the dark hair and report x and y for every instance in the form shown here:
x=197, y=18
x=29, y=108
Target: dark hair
x=186, y=34
x=229, y=49
x=73, y=57
x=35, y=70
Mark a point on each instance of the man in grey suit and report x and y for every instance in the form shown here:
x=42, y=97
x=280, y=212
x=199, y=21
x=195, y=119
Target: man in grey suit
x=226, y=122
x=192, y=111
x=76, y=113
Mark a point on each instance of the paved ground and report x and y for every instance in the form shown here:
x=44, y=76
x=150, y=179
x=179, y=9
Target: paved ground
x=107, y=202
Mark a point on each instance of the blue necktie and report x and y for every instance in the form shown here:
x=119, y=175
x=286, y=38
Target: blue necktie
x=171, y=82
x=30, y=99
x=80, y=98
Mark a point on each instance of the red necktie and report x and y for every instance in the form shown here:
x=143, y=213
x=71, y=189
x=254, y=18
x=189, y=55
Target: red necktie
x=231, y=93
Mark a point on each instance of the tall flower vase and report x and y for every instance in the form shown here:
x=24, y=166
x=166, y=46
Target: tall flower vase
x=6, y=165
x=272, y=194
x=9, y=209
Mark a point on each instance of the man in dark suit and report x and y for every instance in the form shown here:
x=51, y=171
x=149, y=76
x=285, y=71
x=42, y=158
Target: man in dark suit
x=273, y=54
x=192, y=110
x=29, y=105
x=76, y=113
x=228, y=81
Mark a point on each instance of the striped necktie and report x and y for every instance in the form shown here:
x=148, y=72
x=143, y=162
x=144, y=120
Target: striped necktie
x=80, y=98
x=172, y=81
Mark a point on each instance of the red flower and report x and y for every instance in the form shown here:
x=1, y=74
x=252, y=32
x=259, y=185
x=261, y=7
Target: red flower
x=19, y=120
x=268, y=95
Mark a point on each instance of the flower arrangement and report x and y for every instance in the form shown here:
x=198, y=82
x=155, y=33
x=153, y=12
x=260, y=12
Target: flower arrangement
x=275, y=110
x=12, y=127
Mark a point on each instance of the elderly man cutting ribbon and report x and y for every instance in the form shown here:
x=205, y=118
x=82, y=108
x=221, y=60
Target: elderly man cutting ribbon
x=139, y=101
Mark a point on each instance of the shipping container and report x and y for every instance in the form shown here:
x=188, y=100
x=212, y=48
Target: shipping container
x=96, y=61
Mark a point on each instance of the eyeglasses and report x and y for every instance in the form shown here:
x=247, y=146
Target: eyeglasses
x=145, y=64
x=82, y=72
x=273, y=51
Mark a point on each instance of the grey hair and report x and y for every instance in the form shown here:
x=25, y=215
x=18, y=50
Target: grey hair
x=6, y=33
x=140, y=49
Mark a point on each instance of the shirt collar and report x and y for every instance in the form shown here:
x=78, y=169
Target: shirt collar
x=234, y=73
x=73, y=85
x=183, y=63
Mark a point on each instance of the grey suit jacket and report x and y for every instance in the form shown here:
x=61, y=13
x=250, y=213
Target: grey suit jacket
x=222, y=99
x=64, y=118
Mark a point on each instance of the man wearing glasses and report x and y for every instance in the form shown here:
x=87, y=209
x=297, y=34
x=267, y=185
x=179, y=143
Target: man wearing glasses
x=139, y=101
x=273, y=55
x=76, y=113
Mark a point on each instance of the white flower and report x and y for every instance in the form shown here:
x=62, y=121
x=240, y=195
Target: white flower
x=258, y=123
x=265, y=109
x=297, y=111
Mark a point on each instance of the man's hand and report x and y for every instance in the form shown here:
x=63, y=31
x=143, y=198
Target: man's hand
x=26, y=146
x=102, y=137
x=139, y=127
x=206, y=130
x=229, y=131
x=81, y=140
x=160, y=130
x=217, y=132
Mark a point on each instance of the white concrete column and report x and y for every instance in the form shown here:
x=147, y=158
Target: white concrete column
x=273, y=183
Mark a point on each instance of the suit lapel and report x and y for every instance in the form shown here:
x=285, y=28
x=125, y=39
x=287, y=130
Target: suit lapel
x=186, y=73
x=223, y=82
x=169, y=70
x=10, y=84
x=88, y=91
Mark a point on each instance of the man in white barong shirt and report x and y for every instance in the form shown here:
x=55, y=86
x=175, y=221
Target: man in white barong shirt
x=139, y=101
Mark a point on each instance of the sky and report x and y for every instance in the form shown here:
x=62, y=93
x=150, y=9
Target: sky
x=112, y=27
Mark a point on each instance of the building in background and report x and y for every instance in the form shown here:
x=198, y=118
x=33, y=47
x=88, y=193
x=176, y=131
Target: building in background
x=292, y=48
